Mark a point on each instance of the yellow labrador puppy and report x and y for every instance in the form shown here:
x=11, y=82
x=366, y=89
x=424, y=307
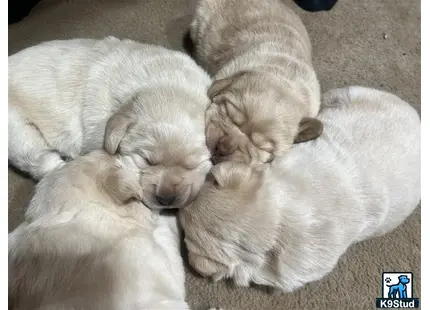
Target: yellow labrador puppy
x=266, y=94
x=82, y=246
x=145, y=102
x=286, y=224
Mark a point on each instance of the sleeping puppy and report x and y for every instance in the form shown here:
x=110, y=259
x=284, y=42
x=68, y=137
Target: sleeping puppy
x=266, y=94
x=286, y=224
x=83, y=246
x=144, y=102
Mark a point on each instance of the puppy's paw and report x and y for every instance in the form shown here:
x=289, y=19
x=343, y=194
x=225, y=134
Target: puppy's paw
x=47, y=163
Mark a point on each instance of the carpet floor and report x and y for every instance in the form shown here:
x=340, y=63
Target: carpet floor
x=367, y=42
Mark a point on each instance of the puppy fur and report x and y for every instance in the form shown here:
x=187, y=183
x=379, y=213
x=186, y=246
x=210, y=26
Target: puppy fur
x=80, y=247
x=145, y=102
x=286, y=224
x=266, y=94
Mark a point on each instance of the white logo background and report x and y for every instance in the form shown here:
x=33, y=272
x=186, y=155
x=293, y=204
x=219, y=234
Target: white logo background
x=394, y=277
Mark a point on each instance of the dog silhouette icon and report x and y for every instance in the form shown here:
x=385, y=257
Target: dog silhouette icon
x=399, y=290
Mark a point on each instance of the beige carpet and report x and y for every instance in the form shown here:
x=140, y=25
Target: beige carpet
x=349, y=48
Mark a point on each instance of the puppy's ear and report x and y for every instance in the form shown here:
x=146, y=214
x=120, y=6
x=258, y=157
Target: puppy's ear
x=220, y=85
x=122, y=185
x=309, y=129
x=116, y=128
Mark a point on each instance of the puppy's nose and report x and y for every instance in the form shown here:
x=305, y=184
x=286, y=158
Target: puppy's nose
x=165, y=200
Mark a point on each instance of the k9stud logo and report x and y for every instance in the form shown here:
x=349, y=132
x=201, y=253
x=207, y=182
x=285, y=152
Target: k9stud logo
x=397, y=291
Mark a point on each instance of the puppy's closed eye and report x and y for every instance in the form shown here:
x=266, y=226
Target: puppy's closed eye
x=235, y=114
x=262, y=142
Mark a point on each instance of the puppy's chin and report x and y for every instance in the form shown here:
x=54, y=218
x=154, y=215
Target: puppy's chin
x=250, y=155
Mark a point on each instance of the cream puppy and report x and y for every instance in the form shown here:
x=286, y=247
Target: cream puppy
x=145, y=102
x=287, y=224
x=266, y=94
x=82, y=248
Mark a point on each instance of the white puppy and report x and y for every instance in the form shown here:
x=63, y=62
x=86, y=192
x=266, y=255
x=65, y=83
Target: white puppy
x=145, y=102
x=81, y=248
x=288, y=224
x=266, y=93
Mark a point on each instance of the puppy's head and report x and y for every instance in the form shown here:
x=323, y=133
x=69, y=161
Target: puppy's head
x=228, y=229
x=248, y=121
x=171, y=157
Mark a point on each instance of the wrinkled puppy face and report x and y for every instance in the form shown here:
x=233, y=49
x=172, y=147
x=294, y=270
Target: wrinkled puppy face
x=225, y=226
x=248, y=122
x=172, y=164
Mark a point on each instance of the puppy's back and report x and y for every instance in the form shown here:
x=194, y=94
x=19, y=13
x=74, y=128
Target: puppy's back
x=223, y=30
x=383, y=135
x=46, y=78
x=79, y=249
x=360, y=179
